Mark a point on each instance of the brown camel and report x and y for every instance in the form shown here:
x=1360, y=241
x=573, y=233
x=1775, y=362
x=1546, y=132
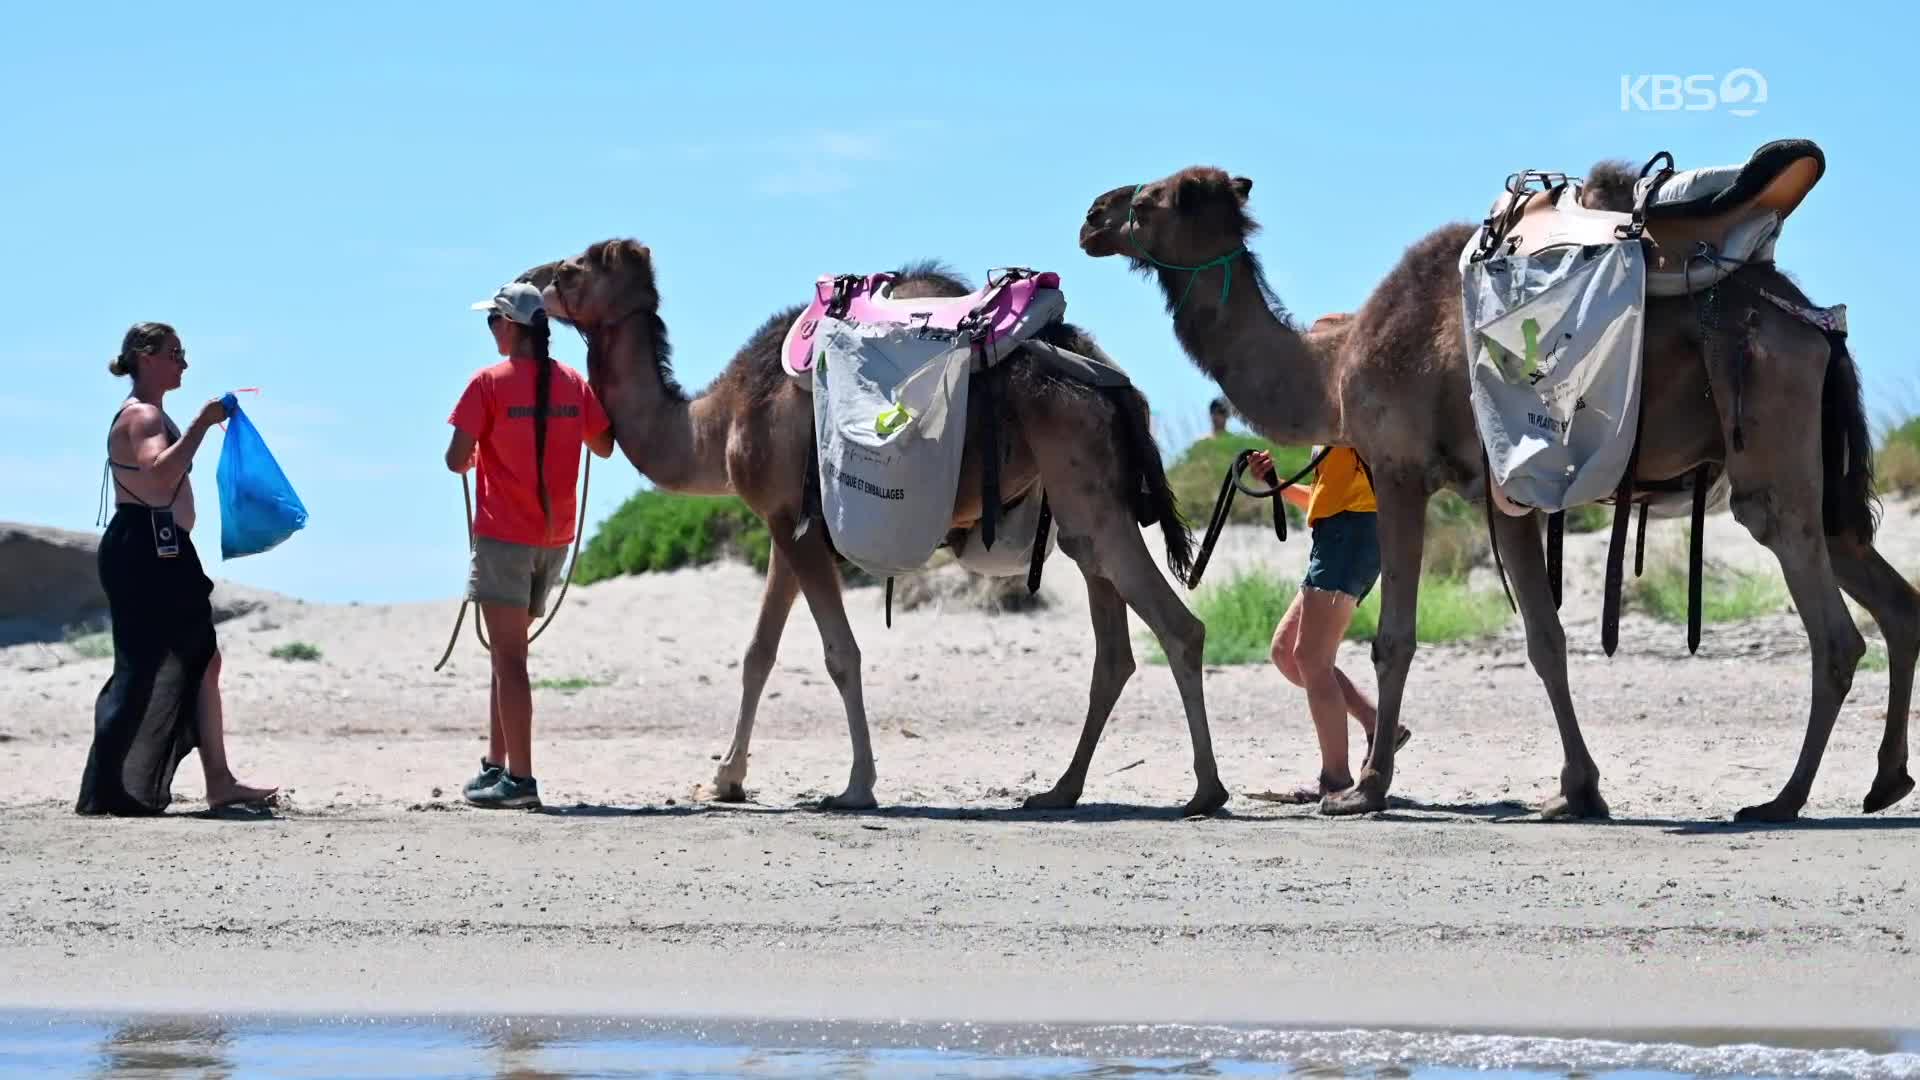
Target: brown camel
x=1394, y=386
x=750, y=434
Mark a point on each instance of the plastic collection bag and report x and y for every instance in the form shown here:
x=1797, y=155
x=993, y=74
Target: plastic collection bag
x=258, y=507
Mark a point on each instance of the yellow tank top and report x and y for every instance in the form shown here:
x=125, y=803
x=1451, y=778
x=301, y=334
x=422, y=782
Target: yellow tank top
x=1339, y=485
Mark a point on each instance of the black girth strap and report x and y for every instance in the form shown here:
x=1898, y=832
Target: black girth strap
x=889, y=603
x=1695, y=550
x=1640, y=544
x=989, y=458
x=1556, y=546
x=1039, y=545
x=1617, y=554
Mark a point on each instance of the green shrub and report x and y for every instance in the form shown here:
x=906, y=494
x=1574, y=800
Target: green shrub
x=1896, y=466
x=1589, y=518
x=570, y=685
x=1727, y=594
x=1448, y=611
x=1196, y=478
x=1875, y=658
x=1242, y=612
x=660, y=530
x=296, y=650
x=95, y=646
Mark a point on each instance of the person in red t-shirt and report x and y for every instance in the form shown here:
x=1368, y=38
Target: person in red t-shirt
x=520, y=421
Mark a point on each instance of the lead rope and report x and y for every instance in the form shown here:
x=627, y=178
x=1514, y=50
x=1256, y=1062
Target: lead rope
x=1223, y=506
x=573, y=561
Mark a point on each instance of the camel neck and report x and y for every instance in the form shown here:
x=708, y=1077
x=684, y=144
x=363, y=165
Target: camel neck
x=1280, y=380
x=664, y=435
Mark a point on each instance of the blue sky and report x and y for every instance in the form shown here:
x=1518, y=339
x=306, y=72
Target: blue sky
x=315, y=195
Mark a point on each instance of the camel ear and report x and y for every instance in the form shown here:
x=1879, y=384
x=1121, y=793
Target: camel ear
x=1189, y=193
x=638, y=250
x=1241, y=187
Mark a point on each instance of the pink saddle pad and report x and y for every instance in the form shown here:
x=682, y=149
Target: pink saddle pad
x=869, y=300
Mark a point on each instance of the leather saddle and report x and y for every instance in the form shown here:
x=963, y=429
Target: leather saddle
x=1696, y=226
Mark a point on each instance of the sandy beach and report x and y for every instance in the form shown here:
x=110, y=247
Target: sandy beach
x=373, y=888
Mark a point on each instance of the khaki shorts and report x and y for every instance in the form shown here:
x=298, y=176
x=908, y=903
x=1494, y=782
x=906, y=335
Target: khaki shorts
x=514, y=575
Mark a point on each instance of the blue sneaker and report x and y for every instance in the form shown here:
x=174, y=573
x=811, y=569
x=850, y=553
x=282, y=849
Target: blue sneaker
x=489, y=775
x=510, y=792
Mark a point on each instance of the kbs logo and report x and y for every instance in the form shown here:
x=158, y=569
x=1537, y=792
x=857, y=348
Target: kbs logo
x=1741, y=92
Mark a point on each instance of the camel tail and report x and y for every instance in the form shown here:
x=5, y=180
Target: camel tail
x=1154, y=499
x=1850, y=507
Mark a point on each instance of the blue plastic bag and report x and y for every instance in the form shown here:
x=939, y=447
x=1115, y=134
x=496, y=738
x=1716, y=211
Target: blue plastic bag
x=258, y=508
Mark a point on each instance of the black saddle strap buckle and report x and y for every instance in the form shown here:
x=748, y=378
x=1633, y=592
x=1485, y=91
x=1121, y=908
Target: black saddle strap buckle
x=842, y=299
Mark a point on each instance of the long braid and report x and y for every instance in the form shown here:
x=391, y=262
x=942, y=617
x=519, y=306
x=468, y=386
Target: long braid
x=540, y=334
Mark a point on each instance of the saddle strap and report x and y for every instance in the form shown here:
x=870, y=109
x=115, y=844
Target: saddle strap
x=1617, y=551
x=1556, y=547
x=1696, y=545
x=989, y=454
x=1640, y=545
x=889, y=588
x=1039, y=545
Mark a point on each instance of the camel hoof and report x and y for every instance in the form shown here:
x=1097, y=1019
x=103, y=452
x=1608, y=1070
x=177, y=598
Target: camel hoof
x=1580, y=806
x=1207, y=800
x=729, y=791
x=1369, y=796
x=1886, y=792
x=1775, y=812
x=850, y=800
x=1057, y=799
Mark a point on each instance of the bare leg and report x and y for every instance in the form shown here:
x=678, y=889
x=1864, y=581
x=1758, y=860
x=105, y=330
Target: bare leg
x=1323, y=620
x=1285, y=637
x=776, y=603
x=1112, y=667
x=222, y=788
x=1880, y=589
x=1402, y=503
x=496, y=735
x=820, y=581
x=1526, y=562
x=507, y=630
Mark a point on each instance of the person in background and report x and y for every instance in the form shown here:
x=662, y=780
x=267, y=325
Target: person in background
x=1219, y=413
x=520, y=421
x=163, y=699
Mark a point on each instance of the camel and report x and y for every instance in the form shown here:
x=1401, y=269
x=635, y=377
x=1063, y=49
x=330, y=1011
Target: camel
x=1394, y=385
x=751, y=434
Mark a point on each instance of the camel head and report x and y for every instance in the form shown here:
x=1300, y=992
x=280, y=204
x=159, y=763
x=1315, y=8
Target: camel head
x=609, y=281
x=1197, y=214
x=599, y=291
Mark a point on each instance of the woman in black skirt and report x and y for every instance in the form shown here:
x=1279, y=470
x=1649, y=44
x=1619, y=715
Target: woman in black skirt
x=163, y=699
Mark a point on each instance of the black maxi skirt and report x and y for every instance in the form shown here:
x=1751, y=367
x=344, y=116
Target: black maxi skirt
x=146, y=718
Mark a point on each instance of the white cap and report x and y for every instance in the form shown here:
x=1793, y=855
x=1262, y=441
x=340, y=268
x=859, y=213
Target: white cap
x=517, y=301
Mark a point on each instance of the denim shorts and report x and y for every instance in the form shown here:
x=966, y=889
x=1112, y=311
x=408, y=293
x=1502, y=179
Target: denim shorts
x=1346, y=554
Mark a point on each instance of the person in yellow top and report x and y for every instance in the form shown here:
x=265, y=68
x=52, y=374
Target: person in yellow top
x=1342, y=568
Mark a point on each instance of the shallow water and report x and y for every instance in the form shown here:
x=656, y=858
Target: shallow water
x=565, y=1048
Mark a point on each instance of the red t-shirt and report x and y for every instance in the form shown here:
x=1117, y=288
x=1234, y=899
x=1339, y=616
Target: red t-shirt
x=497, y=410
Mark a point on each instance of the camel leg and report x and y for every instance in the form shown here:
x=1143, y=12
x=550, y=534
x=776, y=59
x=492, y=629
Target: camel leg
x=776, y=603
x=1112, y=667
x=1525, y=560
x=820, y=582
x=1878, y=587
x=1403, y=532
x=1777, y=497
